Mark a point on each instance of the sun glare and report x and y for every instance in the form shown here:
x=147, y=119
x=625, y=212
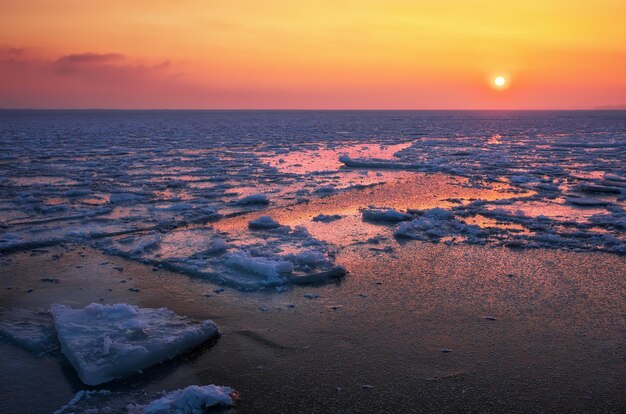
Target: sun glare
x=499, y=81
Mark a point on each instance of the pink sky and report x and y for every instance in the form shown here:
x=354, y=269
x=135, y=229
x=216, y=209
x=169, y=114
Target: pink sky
x=308, y=55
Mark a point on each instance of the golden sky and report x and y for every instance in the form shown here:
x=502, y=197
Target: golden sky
x=312, y=54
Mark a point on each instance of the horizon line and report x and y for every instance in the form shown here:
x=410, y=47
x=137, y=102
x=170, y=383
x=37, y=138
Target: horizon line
x=616, y=108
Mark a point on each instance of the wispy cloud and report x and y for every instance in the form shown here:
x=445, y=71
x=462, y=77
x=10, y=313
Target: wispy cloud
x=89, y=58
x=31, y=79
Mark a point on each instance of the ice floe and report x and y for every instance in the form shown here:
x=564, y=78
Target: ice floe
x=385, y=214
x=327, y=218
x=247, y=259
x=254, y=199
x=264, y=222
x=106, y=342
x=434, y=224
x=270, y=269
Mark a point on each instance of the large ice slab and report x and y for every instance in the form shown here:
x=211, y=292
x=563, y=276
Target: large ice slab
x=105, y=342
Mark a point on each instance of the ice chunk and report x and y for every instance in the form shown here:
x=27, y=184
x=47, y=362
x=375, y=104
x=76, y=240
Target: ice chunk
x=177, y=207
x=375, y=163
x=310, y=258
x=591, y=188
x=264, y=222
x=254, y=199
x=325, y=190
x=520, y=179
x=547, y=187
x=584, y=201
x=326, y=218
x=105, y=342
x=385, y=214
x=264, y=266
x=217, y=245
x=191, y=400
x=31, y=329
x=435, y=224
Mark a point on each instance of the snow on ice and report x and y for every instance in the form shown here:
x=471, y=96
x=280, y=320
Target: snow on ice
x=105, y=342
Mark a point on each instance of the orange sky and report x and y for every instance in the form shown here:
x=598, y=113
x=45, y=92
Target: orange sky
x=312, y=54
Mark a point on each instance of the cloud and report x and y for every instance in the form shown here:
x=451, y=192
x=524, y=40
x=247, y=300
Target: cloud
x=30, y=79
x=70, y=64
x=89, y=58
x=8, y=52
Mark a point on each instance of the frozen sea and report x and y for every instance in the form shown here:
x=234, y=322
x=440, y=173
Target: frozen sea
x=395, y=257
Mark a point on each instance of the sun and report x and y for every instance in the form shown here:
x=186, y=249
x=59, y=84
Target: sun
x=499, y=81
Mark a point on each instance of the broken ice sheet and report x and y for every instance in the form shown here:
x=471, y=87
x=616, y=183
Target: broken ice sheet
x=158, y=246
x=32, y=329
x=276, y=257
x=105, y=342
x=244, y=258
x=435, y=224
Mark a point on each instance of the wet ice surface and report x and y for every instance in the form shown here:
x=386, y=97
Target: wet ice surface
x=155, y=186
